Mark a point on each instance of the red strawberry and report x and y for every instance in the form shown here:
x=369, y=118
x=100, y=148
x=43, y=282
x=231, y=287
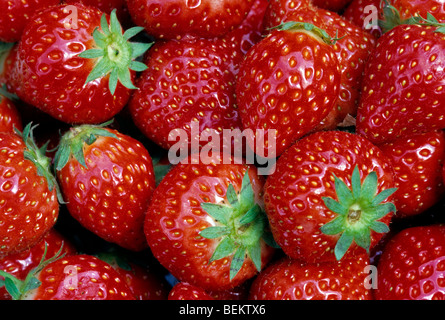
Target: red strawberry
x=176, y=18
x=188, y=81
x=205, y=224
x=314, y=215
x=78, y=70
x=403, y=85
x=417, y=161
x=29, y=204
x=76, y=277
x=412, y=265
x=289, y=279
x=107, y=180
x=288, y=82
x=20, y=264
x=187, y=291
x=144, y=283
x=15, y=14
x=409, y=8
x=279, y=10
x=10, y=117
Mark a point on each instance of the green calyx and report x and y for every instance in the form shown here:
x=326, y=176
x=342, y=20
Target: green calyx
x=391, y=19
x=38, y=157
x=358, y=210
x=242, y=224
x=309, y=27
x=72, y=143
x=114, y=54
x=18, y=288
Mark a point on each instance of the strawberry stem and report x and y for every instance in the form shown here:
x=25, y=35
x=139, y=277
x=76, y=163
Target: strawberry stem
x=358, y=210
x=114, y=54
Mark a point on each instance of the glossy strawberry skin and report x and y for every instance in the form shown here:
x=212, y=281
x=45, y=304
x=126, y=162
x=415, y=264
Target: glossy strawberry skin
x=15, y=14
x=402, y=91
x=187, y=80
x=20, y=264
x=175, y=219
x=187, y=291
x=411, y=8
x=293, y=193
x=278, y=10
x=412, y=264
x=288, y=82
x=28, y=209
x=417, y=162
x=80, y=277
x=111, y=196
x=289, y=279
x=10, y=117
x=49, y=74
x=177, y=18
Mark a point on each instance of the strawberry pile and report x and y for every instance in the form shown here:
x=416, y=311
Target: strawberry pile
x=96, y=96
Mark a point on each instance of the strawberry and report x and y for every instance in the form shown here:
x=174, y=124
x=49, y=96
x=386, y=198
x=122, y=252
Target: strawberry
x=144, y=283
x=278, y=10
x=78, y=70
x=412, y=265
x=176, y=18
x=206, y=225
x=329, y=197
x=15, y=14
x=20, y=264
x=187, y=291
x=188, y=81
x=408, y=9
x=107, y=180
x=402, y=89
x=75, y=277
x=417, y=161
x=289, y=279
x=365, y=14
x=288, y=82
x=29, y=205
x=10, y=117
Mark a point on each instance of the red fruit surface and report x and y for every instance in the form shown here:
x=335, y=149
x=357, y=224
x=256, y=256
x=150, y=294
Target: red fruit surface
x=20, y=264
x=293, y=194
x=111, y=195
x=15, y=14
x=80, y=277
x=417, y=162
x=49, y=74
x=289, y=279
x=412, y=265
x=402, y=89
x=187, y=291
x=288, y=82
x=177, y=18
x=28, y=208
x=10, y=117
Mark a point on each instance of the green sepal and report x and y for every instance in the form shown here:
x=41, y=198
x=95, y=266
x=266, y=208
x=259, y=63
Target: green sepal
x=297, y=25
x=241, y=225
x=18, y=288
x=72, y=143
x=358, y=210
x=114, y=54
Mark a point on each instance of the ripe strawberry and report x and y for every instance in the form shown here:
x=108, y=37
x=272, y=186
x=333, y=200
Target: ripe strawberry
x=187, y=81
x=15, y=14
x=205, y=224
x=20, y=264
x=417, y=161
x=176, y=18
x=75, y=277
x=78, y=70
x=365, y=14
x=408, y=9
x=187, y=291
x=402, y=89
x=29, y=204
x=314, y=215
x=289, y=279
x=411, y=266
x=288, y=82
x=144, y=283
x=107, y=180
x=10, y=117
